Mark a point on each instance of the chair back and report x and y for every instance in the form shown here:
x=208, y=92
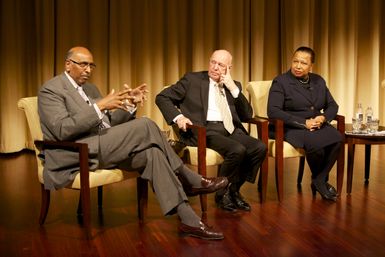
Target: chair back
x=29, y=106
x=259, y=94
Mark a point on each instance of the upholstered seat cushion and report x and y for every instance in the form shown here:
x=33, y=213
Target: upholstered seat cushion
x=212, y=157
x=288, y=150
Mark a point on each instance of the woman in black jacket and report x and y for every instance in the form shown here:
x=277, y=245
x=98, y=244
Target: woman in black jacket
x=302, y=100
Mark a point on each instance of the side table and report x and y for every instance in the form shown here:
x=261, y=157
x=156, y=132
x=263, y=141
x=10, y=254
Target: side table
x=366, y=139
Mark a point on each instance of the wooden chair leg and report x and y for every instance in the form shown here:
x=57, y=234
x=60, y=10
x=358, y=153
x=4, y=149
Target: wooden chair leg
x=100, y=197
x=86, y=210
x=79, y=211
x=45, y=200
x=262, y=181
x=142, y=197
x=203, y=201
x=279, y=177
x=301, y=168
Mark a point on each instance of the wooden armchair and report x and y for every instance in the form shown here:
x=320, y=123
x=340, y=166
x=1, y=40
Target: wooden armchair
x=280, y=149
x=200, y=156
x=84, y=180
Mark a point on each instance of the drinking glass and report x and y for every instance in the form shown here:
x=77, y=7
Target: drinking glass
x=356, y=122
x=373, y=125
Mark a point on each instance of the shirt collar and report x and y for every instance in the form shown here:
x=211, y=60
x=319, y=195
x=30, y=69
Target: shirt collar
x=71, y=80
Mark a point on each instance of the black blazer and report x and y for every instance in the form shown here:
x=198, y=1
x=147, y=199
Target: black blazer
x=293, y=102
x=190, y=96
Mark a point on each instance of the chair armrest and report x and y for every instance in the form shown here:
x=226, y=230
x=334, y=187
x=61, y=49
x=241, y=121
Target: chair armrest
x=201, y=148
x=65, y=145
x=278, y=136
x=340, y=124
x=81, y=148
x=261, y=118
x=262, y=128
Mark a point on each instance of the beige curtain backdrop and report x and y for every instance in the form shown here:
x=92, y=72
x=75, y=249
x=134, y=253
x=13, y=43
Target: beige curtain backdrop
x=157, y=41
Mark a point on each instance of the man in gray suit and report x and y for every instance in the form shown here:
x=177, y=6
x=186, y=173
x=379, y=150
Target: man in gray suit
x=72, y=109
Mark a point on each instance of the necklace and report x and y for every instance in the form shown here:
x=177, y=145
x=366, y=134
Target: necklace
x=306, y=81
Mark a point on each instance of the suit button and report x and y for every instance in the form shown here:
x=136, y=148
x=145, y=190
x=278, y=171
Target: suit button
x=312, y=108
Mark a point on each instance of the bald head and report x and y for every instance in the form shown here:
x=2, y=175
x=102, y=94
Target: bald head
x=224, y=55
x=220, y=60
x=78, y=50
x=79, y=64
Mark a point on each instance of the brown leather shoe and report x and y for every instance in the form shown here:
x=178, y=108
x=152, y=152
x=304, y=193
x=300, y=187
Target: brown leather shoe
x=203, y=232
x=209, y=185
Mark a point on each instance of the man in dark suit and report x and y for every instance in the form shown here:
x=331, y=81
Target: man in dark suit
x=70, y=108
x=302, y=100
x=214, y=100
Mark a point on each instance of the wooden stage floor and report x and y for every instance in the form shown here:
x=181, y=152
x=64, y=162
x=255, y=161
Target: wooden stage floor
x=299, y=226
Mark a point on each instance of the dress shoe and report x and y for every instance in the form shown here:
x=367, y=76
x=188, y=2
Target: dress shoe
x=239, y=202
x=331, y=189
x=225, y=202
x=321, y=188
x=208, y=185
x=203, y=231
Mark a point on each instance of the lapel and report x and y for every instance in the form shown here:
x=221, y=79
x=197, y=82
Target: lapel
x=72, y=92
x=306, y=93
x=204, y=92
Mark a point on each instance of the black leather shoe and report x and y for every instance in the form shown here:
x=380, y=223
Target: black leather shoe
x=209, y=185
x=203, y=231
x=225, y=202
x=239, y=202
x=331, y=189
x=323, y=191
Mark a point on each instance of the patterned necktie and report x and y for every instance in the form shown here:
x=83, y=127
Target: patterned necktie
x=220, y=100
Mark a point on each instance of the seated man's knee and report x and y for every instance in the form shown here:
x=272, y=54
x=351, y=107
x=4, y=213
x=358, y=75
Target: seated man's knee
x=263, y=148
x=260, y=148
x=145, y=120
x=238, y=151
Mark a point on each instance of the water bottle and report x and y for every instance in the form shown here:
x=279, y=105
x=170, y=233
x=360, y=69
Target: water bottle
x=359, y=113
x=369, y=114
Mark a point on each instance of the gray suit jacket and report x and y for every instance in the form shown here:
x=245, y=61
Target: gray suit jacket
x=64, y=115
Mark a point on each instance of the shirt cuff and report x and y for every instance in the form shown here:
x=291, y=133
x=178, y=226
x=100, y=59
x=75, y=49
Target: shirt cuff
x=98, y=111
x=235, y=92
x=177, y=117
x=131, y=109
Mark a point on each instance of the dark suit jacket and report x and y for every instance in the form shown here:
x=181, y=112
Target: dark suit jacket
x=190, y=96
x=293, y=102
x=64, y=115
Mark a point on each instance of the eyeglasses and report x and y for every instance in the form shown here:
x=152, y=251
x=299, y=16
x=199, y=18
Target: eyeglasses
x=84, y=65
x=221, y=65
